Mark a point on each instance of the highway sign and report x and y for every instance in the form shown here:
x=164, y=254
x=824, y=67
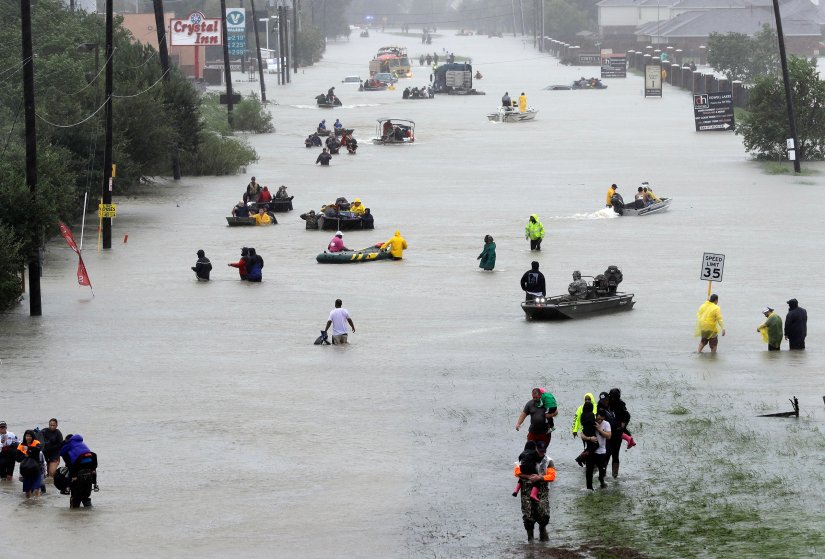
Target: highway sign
x=713, y=265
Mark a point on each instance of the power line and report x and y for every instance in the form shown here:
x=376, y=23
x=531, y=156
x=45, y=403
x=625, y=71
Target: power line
x=76, y=123
x=142, y=92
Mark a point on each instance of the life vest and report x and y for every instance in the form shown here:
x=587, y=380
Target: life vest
x=549, y=476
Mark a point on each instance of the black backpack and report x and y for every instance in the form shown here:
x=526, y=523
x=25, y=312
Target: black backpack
x=30, y=466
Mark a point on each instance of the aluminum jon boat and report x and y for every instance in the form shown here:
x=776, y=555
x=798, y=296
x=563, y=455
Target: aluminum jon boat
x=560, y=307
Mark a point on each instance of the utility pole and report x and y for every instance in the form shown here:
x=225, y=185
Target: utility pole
x=258, y=51
x=226, y=70
x=521, y=9
x=513, y=9
x=282, y=69
x=106, y=222
x=35, y=306
x=160, y=27
x=786, y=78
x=287, y=52
x=296, y=28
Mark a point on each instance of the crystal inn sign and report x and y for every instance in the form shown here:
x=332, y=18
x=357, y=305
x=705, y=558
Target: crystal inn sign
x=195, y=30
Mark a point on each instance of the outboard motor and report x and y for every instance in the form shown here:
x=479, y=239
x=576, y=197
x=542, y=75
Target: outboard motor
x=601, y=285
x=344, y=206
x=613, y=275
x=618, y=203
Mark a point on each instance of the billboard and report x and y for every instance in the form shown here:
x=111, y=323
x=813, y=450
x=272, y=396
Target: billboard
x=614, y=65
x=195, y=30
x=713, y=111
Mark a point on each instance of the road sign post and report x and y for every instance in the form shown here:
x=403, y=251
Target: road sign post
x=713, y=267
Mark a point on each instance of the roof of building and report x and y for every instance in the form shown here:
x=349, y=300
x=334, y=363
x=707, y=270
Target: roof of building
x=748, y=21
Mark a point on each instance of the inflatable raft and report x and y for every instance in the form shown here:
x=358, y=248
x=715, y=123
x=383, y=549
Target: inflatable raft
x=368, y=254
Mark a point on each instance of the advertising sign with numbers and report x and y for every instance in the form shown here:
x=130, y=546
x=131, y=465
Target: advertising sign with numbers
x=614, y=65
x=712, y=267
x=236, y=31
x=713, y=111
x=107, y=210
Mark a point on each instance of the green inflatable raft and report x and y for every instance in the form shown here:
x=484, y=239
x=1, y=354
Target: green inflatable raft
x=369, y=254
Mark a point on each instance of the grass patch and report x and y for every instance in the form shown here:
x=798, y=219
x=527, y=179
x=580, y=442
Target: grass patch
x=678, y=410
x=785, y=168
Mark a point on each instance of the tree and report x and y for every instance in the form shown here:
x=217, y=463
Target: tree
x=764, y=128
x=744, y=58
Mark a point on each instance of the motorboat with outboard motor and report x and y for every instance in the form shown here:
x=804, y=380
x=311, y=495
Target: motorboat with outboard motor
x=394, y=131
x=638, y=208
x=601, y=297
x=508, y=114
x=323, y=102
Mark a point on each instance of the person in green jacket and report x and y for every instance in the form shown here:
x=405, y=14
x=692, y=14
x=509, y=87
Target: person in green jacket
x=534, y=232
x=577, y=419
x=488, y=255
x=771, y=329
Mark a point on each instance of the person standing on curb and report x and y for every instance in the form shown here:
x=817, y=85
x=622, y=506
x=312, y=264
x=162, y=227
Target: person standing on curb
x=709, y=324
x=338, y=319
x=796, y=325
x=771, y=329
x=534, y=232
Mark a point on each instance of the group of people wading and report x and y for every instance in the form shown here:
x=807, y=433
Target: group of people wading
x=39, y=453
x=600, y=424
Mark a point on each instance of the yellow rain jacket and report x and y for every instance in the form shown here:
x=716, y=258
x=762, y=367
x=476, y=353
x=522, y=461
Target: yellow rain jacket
x=652, y=196
x=709, y=320
x=609, y=199
x=357, y=209
x=262, y=219
x=535, y=230
x=397, y=244
x=577, y=419
x=522, y=103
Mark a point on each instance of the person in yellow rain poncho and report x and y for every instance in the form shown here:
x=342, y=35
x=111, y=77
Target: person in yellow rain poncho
x=522, y=103
x=771, y=329
x=608, y=201
x=709, y=323
x=262, y=218
x=357, y=207
x=396, y=244
x=650, y=197
x=534, y=232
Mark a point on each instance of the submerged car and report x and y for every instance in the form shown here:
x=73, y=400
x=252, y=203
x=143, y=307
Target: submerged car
x=352, y=79
x=385, y=77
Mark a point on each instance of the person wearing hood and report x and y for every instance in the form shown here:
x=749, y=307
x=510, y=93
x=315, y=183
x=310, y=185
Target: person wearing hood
x=265, y=197
x=505, y=100
x=709, y=324
x=621, y=417
x=598, y=458
x=242, y=264
x=336, y=244
x=311, y=218
x=202, y=267
x=397, y=244
x=357, y=207
x=589, y=403
x=771, y=329
x=367, y=221
x=32, y=463
x=796, y=325
x=487, y=257
x=532, y=283
x=82, y=464
x=323, y=158
x=255, y=266
x=534, y=232
x=522, y=103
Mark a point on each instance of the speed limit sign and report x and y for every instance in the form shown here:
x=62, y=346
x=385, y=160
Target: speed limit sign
x=712, y=267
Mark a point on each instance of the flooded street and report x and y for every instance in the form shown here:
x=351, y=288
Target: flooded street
x=222, y=430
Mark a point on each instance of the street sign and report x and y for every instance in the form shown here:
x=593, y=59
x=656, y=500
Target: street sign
x=712, y=267
x=107, y=210
x=236, y=31
x=653, y=80
x=713, y=111
x=236, y=98
x=614, y=65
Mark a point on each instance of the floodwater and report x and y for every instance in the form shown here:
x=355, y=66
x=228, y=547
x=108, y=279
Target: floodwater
x=222, y=430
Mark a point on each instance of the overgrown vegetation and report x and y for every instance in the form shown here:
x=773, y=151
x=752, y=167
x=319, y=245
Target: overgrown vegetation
x=764, y=128
x=153, y=120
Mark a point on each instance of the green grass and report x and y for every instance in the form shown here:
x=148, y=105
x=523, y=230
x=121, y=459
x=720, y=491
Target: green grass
x=786, y=168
